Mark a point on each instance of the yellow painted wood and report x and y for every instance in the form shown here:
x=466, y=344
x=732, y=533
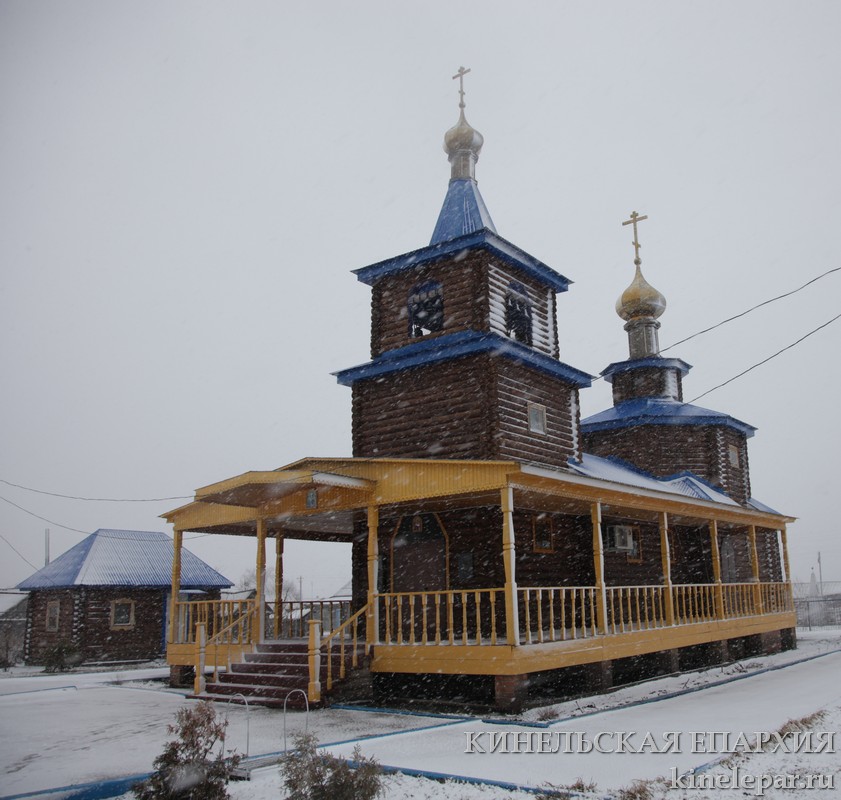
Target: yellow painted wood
x=508, y=660
x=509, y=554
x=598, y=564
x=278, y=582
x=754, y=564
x=199, y=516
x=373, y=617
x=314, y=657
x=716, y=559
x=666, y=559
x=175, y=586
x=260, y=593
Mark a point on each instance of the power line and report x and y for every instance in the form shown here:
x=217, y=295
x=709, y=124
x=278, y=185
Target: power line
x=17, y=551
x=97, y=499
x=766, y=360
x=44, y=519
x=753, y=308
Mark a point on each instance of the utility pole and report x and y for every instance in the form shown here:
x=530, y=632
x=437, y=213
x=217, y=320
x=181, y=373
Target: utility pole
x=46, y=546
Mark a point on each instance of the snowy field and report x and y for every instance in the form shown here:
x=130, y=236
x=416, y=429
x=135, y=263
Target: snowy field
x=60, y=730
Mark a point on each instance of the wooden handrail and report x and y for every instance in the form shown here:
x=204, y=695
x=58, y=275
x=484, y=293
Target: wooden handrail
x=341, y=631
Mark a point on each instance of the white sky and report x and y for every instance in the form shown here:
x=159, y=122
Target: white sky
x=184, y=187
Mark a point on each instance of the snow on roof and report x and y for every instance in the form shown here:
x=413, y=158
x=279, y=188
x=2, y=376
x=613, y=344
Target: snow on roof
x=124, y=558
x=660, y=411
x=617, y=471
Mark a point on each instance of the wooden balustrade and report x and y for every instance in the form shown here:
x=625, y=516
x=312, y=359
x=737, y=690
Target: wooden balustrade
x=289, y=619
x=634, y=608
x=694, y=602
x=550, y=614
x=346, y=635
x=776, y=598
x=215, y=615
x=739, y=599
x=474, y=616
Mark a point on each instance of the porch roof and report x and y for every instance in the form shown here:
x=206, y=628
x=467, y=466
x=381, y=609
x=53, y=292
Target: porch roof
x=315, y=498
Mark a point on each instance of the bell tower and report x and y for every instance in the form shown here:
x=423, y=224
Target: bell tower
x=464, y=341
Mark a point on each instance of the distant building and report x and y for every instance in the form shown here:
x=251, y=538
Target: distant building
x=107, y=597
x=12, y=627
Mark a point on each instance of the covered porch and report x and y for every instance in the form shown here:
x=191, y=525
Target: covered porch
x=493, y=569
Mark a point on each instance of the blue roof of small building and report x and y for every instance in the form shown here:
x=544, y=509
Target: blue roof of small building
x=660, y=411
x=464, y=211
x=124, y=558
x=643, y=363
x=437, y=349
x=484, y=239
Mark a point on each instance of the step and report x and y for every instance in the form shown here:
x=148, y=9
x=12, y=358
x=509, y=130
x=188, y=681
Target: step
x=293, y=681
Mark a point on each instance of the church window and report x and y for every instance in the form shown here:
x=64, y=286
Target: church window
x=53, y=613
x=734, y=455
x=426, y=309
x=537, y=418
x=122, y=614
x=543, y=533
x=518, y=313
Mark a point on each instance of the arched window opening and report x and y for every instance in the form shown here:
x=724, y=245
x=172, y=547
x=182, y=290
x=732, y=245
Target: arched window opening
x=426, y=309
x=518, y=313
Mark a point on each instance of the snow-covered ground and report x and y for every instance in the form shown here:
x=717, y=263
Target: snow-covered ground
x=75, y=728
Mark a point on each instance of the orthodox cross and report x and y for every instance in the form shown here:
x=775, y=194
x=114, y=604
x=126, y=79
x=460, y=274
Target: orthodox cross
x=460, y=75
x=635, y=218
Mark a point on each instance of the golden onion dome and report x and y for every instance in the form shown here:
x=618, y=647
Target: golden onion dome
x=640, y=299
x=462, y=136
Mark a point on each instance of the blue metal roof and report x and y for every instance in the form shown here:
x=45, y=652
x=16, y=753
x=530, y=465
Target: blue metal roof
x=618, y=471
x=660, y=411
x=483, y=239
x=124, y=558
x=644, y=363
x=455, y=345
x=464, y=211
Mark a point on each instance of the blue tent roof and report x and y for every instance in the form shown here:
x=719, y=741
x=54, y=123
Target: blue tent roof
x=464, y=211
x=124, y=558
x=660, y=411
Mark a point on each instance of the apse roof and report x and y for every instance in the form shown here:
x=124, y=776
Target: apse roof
x=660, y=411
x=124, y=558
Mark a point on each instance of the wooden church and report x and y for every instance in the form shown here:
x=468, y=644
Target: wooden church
x=503, y=549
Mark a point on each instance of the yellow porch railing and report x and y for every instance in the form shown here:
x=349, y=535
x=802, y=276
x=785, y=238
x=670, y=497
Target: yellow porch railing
x=456, y=617
x=227, y=644
x=634, y=608
x=215, y=615
x=347, y=635
x=694, y=602
x=549, y=614
x=289, y=619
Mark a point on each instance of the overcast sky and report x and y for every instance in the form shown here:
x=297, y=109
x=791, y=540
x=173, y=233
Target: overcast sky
x=185, y=186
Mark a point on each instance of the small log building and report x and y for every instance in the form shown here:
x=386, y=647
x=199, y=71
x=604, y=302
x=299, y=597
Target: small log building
x=107, y=598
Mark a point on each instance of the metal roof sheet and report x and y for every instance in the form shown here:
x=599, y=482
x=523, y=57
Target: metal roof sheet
x=464, y=211
x=660, y=411
x=124, y=558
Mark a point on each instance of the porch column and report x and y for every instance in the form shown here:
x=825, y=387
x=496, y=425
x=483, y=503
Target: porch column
x=787, y=577
x=278, y=583
x=666, y=558
x=260, y=593
x=373, y=622
x=754, y=566
x=175, y=588
x=598, y=565
x=509, y=552
x=716, y=556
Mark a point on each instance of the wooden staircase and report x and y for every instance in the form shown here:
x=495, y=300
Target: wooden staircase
x=269, y=674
